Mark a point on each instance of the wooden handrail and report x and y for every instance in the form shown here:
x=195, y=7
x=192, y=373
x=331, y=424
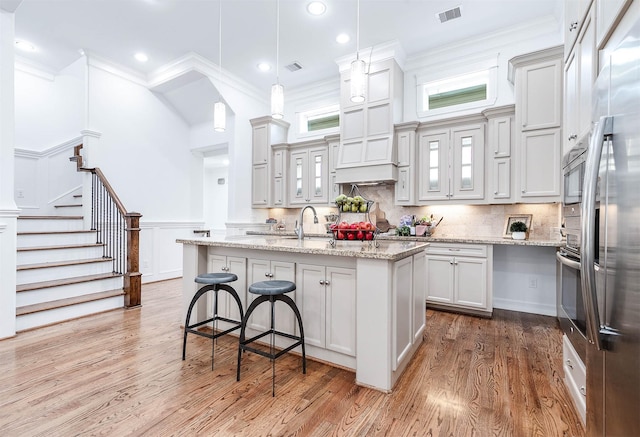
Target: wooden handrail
x=132, y=283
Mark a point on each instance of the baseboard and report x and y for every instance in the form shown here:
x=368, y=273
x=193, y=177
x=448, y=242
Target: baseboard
x=524, y=307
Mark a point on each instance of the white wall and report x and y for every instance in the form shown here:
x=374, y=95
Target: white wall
x=216, y=197
x=49, y=109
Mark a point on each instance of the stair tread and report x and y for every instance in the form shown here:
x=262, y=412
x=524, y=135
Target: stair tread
x=44, y=306
x=75, y=205
x=50, y=217
x=65, y=281
x=82, y=231
x=64, y=246
x=62, y=263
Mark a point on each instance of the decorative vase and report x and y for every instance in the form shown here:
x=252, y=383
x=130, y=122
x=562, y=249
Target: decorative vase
x=519, y=235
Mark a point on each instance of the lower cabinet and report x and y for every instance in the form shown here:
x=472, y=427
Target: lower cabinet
x=227, y=306
x=327, y=301
x=460, y=276
x=575, y=377
x=267, y=270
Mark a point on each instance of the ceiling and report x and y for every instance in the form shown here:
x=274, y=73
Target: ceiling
x=168, y=29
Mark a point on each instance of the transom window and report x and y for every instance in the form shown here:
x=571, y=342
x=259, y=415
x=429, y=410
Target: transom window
x=319, y=121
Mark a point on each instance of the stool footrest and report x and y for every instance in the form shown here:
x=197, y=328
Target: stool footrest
x=270, y=355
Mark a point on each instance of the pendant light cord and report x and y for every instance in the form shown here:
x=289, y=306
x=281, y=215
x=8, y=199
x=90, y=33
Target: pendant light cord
x=220, y=41
x=358, y=30
x=277, y=41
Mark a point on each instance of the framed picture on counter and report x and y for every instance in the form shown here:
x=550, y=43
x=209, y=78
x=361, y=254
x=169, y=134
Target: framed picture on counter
x=511, y=218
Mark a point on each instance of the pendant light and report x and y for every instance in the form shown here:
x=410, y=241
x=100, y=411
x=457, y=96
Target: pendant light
x=358, y=68
x=277, y=90
x=219, y=109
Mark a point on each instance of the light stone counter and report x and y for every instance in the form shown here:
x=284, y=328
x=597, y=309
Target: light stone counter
x=391, y=250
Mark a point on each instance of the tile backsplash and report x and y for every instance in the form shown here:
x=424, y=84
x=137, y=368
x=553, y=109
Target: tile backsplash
x=458, y=220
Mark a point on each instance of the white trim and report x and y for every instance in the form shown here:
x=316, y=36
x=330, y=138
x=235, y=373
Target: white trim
x=524, y=307
x=380, y=52
x=3, y=226
x=9, y=213
x=26, y=153
x=90, y=133
x=33, y=68
x=104, y=64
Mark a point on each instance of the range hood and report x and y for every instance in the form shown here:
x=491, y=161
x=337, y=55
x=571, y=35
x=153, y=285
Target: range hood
x=367, y=160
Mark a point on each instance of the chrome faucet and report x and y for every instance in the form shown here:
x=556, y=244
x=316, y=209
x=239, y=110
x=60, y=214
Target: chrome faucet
x=299, y=229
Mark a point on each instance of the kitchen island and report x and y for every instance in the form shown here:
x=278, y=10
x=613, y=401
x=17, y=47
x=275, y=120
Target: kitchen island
x=363, y=307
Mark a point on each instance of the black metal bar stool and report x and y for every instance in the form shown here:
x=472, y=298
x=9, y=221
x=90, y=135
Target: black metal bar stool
x=215, y=282
x=271, y=291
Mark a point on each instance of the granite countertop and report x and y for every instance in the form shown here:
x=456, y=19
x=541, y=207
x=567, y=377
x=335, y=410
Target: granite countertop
x=437, y=239
x=317, y=244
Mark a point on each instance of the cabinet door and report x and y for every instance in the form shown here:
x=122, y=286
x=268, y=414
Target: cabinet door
x=335, y=189
x=217, y=264
x=607, y=12
x=433, y=173
x=278, y=163
x=468, y=164
x=340, y=310
x=285, y=319
x=500, y=137
x=418, y=318
x=540, y=97
x=405, y=142
x=540, y=165
x=402, y=308
x=571, y=103
x=260, y=144
x=260, y=185
x=278, y=192
x=501, y=182
x=318, y=175
x=403, y=186
x=311, y=302
x=258, y=270
x=299, y=164
x=439, y=279
x=238, y=266
x=588, y=63
x=470, y=282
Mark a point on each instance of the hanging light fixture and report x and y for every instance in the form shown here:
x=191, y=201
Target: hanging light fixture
x=219, y=109
x=277, y=90
x=358, y=68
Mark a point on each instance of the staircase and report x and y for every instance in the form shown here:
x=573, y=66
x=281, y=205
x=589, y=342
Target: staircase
x=62, y=272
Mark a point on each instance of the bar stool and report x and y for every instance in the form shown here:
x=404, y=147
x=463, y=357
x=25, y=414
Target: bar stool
x=215, y=282
x=271, y=291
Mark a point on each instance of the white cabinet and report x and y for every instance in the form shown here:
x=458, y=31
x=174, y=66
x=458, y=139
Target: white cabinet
x=279, y=177
x=579, y=76
x=574, y=377
x=227, y=306
x=538, y=87
x=405, y=138
x=574, y=13
x=308, y=174
x=333, y=142
x=266, y=270
x=607, y=14
x=451, y=164
x=500, y=156
x=327, y=302
x=460, y=276
x=266, y=131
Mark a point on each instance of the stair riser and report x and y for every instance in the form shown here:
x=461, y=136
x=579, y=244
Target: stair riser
x=48, y=225
x=32, y=297
x=36, y=240
x=62, y=272
x=53, y=255
x=56, y=315
x=69, y=210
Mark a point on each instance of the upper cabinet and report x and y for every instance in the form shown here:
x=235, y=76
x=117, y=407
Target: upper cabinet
x=266, y=131
x=607, y=13
x=500, y=154
x=537, y=78
x=367, y=152
x=405, y=138
x=574, y=15
x=451, y=161
x=308, y=173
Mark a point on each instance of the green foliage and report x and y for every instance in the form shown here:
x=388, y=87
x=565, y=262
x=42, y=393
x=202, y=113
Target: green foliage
x=518, y=227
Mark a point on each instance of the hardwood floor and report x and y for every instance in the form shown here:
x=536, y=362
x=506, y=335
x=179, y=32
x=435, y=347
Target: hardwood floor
x=120, y=373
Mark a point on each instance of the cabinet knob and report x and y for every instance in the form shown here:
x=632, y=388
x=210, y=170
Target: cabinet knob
x=266, y=274
x=451, y=262
x=495, y=192
x=327, y=283
x=322, y=282
x=570, y=364
x=583, y=390
x=524, y=191
x=573, y=26
x=495, y=152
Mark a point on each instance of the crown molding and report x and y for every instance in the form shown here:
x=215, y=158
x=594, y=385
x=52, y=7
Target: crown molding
x=90, y=133
x=34, y=68
x=379, y=52
x=109, y=66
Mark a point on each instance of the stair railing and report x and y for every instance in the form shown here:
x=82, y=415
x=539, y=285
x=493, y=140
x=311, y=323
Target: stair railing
x=116, y=229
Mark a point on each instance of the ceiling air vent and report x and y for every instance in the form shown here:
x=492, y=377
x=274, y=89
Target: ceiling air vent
x=294, y=66
x=450, y=14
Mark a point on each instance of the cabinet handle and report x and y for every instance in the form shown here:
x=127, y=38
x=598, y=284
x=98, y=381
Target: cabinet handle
x=583, y=390
x=451, y=249
x=573, y=26
x=570, y=364
x=271, y=275
x=455, y=263
x=327, y=283
x=266, y=274
x=495, y=152
x=403, y=185
x=495, y=192
x=573, y=137
x=451, y=262
x=322, y=282
x=524, y=191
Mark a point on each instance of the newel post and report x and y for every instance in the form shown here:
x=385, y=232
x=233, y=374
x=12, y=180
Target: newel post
x=133, y=278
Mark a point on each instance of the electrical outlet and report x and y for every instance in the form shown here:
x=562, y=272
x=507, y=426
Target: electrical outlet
x=20, y=194
x=145, y=263
x=533, y=283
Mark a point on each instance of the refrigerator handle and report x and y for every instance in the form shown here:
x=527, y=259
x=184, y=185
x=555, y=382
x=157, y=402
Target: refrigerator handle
x=587, y=249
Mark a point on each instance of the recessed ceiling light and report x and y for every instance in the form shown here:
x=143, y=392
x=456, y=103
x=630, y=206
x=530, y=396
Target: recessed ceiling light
x=263, y=66
x=141, y=57
x=316, y=8
x=343, y=38
x=26, y=46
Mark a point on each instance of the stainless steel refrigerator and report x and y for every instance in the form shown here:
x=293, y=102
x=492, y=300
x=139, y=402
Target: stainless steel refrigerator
x=610, y=264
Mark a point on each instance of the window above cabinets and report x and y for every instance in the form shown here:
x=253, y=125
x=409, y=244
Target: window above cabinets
x=319, y=121
x=458, y=91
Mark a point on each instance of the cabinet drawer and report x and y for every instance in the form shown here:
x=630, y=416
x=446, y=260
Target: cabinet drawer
x=575, y=376
x=457, y=249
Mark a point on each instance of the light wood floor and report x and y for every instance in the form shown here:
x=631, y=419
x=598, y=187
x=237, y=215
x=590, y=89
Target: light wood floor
x=120, y=373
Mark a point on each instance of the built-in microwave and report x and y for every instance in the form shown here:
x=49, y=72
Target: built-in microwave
x=573, y=175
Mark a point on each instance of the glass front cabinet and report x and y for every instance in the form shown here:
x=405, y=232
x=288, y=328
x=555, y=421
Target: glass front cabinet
x=309, y=174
